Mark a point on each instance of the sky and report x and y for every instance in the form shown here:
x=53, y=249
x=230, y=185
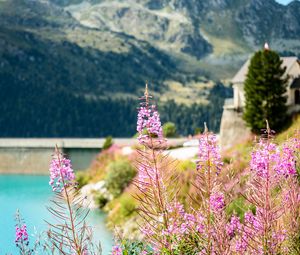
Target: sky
x=284, y=1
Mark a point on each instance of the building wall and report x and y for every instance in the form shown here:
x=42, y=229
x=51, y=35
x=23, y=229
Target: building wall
x=238, y=95
x=291, y=97
x=233, y=128
x=294, y=73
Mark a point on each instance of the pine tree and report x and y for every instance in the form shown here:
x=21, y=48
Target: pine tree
x=265, y=89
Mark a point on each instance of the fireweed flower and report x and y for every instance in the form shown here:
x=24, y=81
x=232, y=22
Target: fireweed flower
x=268, y=158
x=216, y=201
x=270, y=164
x=262, y=157
x=116, y=250
x=209, y=153
x=212, y=205
x=287, y=163
x=146, y=174
x=233, y=226
x=193, y=223
x=176, y=208
x=152, y=176
x=147, y=230
x=241, y=245
x=21, y=234
x=200, y=221
x=253, y=229
x=148, y=120
x=295, y=141
x=253, y=221
x=241, y=234
x=61, y=172
x=176, y=214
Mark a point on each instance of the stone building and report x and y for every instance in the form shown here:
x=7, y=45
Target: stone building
x=292, y=65
x=233, y=128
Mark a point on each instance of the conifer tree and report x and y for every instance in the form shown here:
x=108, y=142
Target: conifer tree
x=265, y=89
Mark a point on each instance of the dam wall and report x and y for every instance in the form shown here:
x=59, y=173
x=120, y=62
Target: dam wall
x=33, y=156
x=25, y=160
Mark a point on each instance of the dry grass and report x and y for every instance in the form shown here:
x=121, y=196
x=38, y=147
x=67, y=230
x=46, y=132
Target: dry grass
x=222, y=47
x=290, y=131
x=193, y=92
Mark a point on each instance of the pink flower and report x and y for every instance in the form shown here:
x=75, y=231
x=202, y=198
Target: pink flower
x=241, y=245
x=147, y=230
x=116, y=250
x=61, y=172
x=176, y=224
x=149, y=121
x=200, y=223
x=295, y=141
x=262, y=157
x=252, y=221
x=217, y=201
x=146, y=175
x=21, y=234
x=287, y=163
x=233, y=226
x=267, y=159
x=85, y=252
x=209, y=153
x=176, y=208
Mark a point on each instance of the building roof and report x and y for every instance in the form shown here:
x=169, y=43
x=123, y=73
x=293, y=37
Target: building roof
x=296, y=83
x=240, y=76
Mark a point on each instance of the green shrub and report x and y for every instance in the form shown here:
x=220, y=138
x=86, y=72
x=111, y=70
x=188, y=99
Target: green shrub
x=108, y=143
x=82, y=178
x=169, y=129
x=198, y=131
x=186, y=165
x=130, y=247
x=226, y=160
x=128, y=205
x=101, y=201
x=119, y=175
x=295, y=244
x=238, y=207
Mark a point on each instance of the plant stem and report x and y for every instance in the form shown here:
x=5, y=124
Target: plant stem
x=209, y=195
x=77, y=246
x=267, y=202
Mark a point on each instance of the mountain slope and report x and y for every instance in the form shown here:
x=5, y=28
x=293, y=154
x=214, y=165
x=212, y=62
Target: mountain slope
x=76, y=67
x=54, y=49
x=192, y=26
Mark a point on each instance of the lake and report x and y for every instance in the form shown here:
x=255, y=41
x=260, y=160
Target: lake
x=31, y=194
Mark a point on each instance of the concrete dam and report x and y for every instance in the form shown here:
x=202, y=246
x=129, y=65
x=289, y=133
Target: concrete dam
x=33, y=155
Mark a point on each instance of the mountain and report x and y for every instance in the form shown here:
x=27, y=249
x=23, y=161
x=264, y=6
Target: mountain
x=64, y=63
x=195, y=27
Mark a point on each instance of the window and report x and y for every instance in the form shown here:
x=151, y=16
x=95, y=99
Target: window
x=297, y=96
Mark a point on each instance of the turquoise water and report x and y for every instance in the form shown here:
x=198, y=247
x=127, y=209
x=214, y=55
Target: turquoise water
x=31, y=194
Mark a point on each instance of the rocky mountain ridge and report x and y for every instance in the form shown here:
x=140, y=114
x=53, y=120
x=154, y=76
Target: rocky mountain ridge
x=194, y=27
